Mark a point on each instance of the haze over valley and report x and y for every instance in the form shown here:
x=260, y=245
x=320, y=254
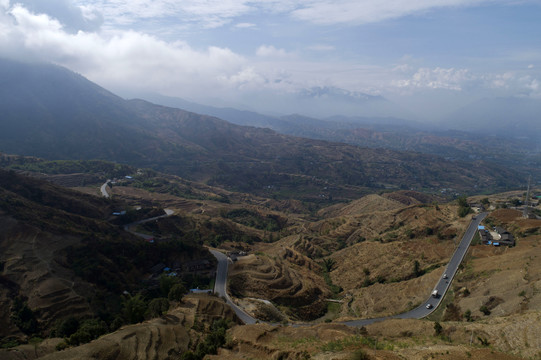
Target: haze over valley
x=270, y=180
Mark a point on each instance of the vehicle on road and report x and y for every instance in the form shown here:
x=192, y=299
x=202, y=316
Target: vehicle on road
x=445, y=276
x=435, y=293
x=429, y=306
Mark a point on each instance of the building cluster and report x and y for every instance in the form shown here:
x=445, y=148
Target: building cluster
x=498, y=237
x=195, y=266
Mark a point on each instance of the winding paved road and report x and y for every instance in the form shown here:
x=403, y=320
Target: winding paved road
x=168, y=212
x=419, y=312
x=221, y=283
x=103, y=189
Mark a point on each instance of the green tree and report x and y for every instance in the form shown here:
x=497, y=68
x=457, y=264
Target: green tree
x=463, y=206
x=24, y=317
x=417, y=269
x=166, y=283
x=462, y=201
x=158, y=306
x=67, y=327
x=177, y=292
x=134, y=308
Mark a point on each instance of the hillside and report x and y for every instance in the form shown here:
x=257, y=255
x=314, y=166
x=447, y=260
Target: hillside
x=381, y=237
x=62, y=257
x=38, y=120
x=464, y=144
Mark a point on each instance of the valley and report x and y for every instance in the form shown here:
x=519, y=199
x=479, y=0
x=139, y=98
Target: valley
x=129, y=230
x=397, y=243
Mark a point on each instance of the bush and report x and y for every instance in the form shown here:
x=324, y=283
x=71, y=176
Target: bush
x=485, y=310
x=61, y=346
x=158, y=306
x=467, y=315
x=89, y=330
x=438, y=329
x=177, y=292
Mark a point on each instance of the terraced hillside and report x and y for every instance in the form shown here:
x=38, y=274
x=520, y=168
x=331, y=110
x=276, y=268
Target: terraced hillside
x=166, y=337
x=62, y=257
x=289, y=280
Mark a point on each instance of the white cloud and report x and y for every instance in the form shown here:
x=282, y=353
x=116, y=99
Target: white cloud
x=121, y=59
x=437, y=78
x=72, y=17
x=246, y=79
x=207, y=13
x=271, y=51
x=368, y=11
x=508, y=83
x=215, y=13
x=245, y=25
x=127, y=59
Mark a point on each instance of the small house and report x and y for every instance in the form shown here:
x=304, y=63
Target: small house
x=506, y=238
x=197, y=265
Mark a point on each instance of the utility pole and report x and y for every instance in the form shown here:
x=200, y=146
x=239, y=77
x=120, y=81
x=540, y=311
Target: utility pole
x=525, y=212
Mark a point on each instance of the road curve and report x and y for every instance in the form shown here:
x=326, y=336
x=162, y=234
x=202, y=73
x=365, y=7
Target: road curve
x=419, y=312
x=221, y=284
x=168, y=212
x=103, y=189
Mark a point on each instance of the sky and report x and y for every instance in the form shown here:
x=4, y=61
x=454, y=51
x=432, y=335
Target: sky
x=429, y=57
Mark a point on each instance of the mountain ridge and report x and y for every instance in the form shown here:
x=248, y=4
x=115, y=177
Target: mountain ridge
x=198, y=147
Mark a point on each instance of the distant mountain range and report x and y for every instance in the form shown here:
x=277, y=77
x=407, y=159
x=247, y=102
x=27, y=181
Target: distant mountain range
x=375, y=132
x=51, y=112
x=505, y=117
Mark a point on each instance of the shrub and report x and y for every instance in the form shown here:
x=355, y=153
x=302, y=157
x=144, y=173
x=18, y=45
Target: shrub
x=158, y=306
x=88, y=331
x=61, y=346
x=485, y=310
x=438, y=329
x=177, y=292
x=467, y=315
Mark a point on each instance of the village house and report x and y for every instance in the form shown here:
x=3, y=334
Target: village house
x=506, y=238
x=484, y=235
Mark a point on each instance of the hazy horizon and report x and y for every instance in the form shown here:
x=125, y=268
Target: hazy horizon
x=267, y=55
